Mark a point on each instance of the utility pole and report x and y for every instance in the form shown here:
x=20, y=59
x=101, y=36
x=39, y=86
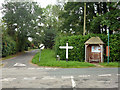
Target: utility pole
x=84, y=29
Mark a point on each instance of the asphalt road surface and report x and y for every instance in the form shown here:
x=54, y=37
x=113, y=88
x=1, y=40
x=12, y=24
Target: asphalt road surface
x=26, y=75
x=23, y=59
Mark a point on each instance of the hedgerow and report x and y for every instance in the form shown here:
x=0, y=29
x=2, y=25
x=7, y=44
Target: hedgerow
x=8, y=46
x=78, y=52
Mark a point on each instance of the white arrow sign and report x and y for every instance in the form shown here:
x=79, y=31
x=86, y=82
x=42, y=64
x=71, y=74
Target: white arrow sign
x=19, y=64
x=66, y=47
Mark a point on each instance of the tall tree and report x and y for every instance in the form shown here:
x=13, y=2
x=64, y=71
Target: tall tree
x=51, y=24
x=21, y=19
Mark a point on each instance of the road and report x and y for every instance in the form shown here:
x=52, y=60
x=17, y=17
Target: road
x=21, y=59
x=30, y=76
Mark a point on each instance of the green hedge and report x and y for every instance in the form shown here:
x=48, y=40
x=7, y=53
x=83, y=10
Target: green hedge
x=8, y=46
x=78, y=52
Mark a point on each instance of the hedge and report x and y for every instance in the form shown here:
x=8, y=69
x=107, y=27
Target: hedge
x=78, y=52
x=8, y=46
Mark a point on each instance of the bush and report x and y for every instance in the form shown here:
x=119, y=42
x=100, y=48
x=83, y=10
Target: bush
x=78, y=52
x=8, y=46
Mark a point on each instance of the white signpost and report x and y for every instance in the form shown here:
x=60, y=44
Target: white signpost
x=66, y=47
x=41, y=48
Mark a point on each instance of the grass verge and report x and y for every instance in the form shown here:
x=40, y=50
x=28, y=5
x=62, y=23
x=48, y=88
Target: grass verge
x=48, y=59
x=111, y=64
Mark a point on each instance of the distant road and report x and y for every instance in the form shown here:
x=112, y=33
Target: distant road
x=23, y=59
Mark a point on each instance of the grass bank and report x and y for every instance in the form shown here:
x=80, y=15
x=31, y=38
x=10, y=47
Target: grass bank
x=48, y=59
x=111, y=64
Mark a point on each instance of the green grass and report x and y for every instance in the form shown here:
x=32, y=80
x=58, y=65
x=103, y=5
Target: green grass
x=48, y=59
x=111, y=64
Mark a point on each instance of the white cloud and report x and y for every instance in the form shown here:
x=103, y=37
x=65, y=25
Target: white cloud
x=44, y=3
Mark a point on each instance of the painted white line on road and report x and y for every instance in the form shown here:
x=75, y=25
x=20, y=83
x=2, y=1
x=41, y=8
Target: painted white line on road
x=48, y=68
x=103, y=81
x=55, y=68
x=19, y=64
x=104, y=75
x=39, y=68
x=12, y=68
x=31, y=68
x=7, y=79
x=118, y=74
x=84, y=75
x=29, y=78
x=49, y=77
x=73, y=82
x=66, y=77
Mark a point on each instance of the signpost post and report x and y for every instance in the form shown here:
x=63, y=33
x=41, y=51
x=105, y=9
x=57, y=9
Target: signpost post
x=66, y=47
x=108, y=45
x=41, y=47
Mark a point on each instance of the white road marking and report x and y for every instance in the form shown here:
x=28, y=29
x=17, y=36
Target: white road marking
x=84, y=75
x=13, y=68
x=49, y=77
x=103, y=75
x=73, y=82
x=66, y=77
x=7, y=79
x=19, y=64
x=31, y=68
x=118, y=74
x=50, y=68
x=55, y=68
x=29, y=78
x=103, y=81
x=39, y=68
x=47, y=68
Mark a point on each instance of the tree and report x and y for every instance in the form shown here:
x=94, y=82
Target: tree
x=99, y=17
x=22, y=19
x=51, y=25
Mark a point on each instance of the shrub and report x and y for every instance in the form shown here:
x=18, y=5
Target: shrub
x=78, y=52
x=8, y=46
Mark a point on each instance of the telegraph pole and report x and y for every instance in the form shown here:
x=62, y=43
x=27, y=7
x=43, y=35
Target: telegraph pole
x=84, y=28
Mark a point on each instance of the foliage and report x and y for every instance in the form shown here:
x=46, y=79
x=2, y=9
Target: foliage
x=115, y=47
x=72, y=16
x=51, y=25
x=22, y=20
x=49, y=38
x=8, y=46
x=78, y=52
x=48, y=59
x=99, y=17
